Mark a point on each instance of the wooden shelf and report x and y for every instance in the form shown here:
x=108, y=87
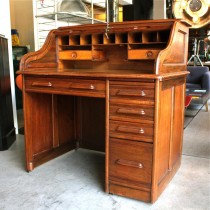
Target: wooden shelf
x=139, y=44
x=150, y=37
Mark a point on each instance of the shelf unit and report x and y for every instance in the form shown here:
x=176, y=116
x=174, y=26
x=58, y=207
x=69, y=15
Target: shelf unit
x=47, y=17
x=138, y=45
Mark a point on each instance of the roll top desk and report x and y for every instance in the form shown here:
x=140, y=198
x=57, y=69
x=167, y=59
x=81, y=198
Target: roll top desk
x=118, y=88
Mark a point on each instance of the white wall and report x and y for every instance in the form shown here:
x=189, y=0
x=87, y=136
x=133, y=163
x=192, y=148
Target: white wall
x=22, y=20
x=5, y=29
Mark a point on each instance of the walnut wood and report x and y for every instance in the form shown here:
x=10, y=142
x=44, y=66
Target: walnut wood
x=123, y=96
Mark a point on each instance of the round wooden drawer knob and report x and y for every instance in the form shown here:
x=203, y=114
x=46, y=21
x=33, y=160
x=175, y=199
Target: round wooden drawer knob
x=149, y=54
x=74, y=55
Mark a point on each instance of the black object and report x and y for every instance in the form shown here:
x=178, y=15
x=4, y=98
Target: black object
x=139, y=10
x=7, y=130
x=199, y=78
x=18, y=52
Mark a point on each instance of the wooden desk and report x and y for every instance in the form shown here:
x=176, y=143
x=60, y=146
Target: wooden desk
x=123, y=95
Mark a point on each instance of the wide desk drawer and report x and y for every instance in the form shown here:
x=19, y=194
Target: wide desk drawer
x=131, y=131
x=80, y=87
x=136, y=92
x=132, y=113
x=130, y=162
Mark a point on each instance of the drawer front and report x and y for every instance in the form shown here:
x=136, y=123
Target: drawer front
x=136, y=92
x=130, y=162
x=75, y=55
x=142, y=54
x=93, y=88
x=131, y=131
x=132, y=113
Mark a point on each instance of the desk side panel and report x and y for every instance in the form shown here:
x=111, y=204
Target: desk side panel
x=45, y=58
x=168, y=133
x=48, y=130
x=38, y=125
x=174, y=57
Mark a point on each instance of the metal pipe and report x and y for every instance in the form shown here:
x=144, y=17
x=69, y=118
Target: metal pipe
x=112, y=11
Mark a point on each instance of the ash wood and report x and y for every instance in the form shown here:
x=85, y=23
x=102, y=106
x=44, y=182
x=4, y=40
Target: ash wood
x=65, y=119
x=126, y=191
x=170, y=130
x=130, y=161
x=92, y=135
x=123, y=96
x=132, y=131
x=55, y=121
x=144, y=54
x=75, y=54
x=132, y=113
x=107, y=138
x=132, y=93
x=56, y=85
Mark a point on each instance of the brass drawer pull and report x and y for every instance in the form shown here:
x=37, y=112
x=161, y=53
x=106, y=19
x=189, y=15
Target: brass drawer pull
x=126, y=129
x=130, y=93
x=142, y=93
x=142, y=112
x=42, y=84
x=129, y=163
x=82, y=86
x=141, y=130
x=92, y=87
x=130, y=111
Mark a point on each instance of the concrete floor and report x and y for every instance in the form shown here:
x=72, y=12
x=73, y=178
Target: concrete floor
x=75, y=181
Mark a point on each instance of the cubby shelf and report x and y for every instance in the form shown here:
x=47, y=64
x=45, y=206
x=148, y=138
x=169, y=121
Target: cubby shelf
x=115, y=38
x=139, y=45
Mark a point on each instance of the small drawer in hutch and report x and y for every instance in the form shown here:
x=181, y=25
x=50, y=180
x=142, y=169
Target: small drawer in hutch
x=75, y=55
x=130, y=162
x=142, y=54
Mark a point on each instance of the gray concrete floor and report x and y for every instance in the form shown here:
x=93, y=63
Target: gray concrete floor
x=75, y=181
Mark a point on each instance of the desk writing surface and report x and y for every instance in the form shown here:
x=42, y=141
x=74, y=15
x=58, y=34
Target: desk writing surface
x=102, y=73
x=123, y=96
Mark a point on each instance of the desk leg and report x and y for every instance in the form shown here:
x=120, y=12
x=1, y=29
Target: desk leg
x=207, y=106
x=107, y=139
